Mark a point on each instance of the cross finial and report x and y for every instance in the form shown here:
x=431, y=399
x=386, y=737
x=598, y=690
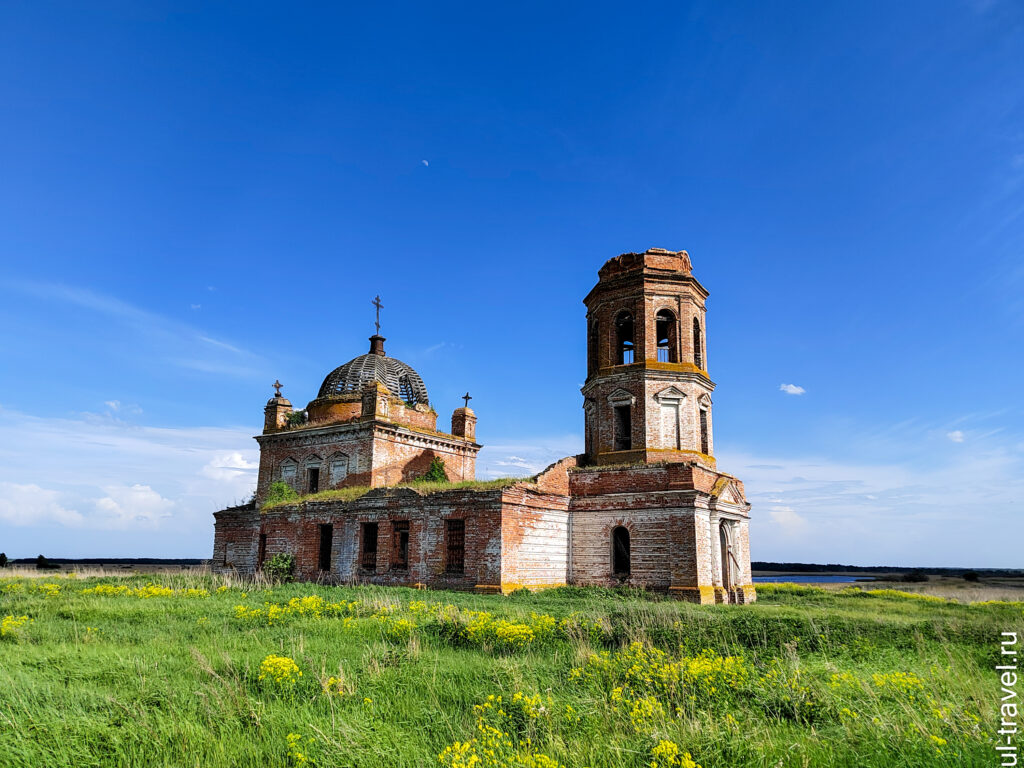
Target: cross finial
x=467, y=397
x=379, y=306
x=277, y=387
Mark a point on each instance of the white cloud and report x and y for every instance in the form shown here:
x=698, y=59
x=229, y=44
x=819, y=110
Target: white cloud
x=117, y=407
x=907, y=502
x=229, y=467
x=792, y=389
x=126, y=506
x=425, y=163
x=788, y=519
x=94, y=474
x=26, y=505
x=956, y=436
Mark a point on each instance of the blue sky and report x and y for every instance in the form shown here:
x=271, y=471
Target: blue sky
x=196, y=199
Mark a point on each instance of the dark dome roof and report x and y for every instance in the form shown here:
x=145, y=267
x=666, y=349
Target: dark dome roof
x=400, y=379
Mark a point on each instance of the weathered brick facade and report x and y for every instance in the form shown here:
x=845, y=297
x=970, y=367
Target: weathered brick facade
x=644, y=505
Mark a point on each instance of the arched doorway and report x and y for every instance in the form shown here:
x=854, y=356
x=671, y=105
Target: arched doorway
x=725, y=541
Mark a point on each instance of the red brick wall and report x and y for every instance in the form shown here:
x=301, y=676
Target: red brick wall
x=295, y=530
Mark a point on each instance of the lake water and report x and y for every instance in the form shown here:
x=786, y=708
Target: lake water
x=811, y=578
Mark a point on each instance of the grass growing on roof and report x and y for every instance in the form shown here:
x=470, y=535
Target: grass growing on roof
x=422, y=487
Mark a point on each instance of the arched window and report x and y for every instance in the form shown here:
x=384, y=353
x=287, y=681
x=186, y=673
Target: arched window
x=665, y=327
x=620, y=551
x=698, y=344
x=593, y=345
x=405, y=390
x=704, y=441
x=624, y=349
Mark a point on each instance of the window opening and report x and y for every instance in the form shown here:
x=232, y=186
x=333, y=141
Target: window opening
x=400, y=555
x=665, y=329
x=698, y=345
x=369, y=559
x=620, y=551
x=624, y=349
x=326, y=541
x=455, y=540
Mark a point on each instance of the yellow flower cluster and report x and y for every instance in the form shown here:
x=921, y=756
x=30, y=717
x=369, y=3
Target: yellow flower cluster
x=10, y=625
x=843, y=680
x=496, y=744
x=397, y=630
x=12, y=587
x=666, y=754
x=146, y=592
x=280, y=670
x=644, y=669
x=900, y=683
x=335, y=686
x=645, y=713
x=310, y=607
x=49, y=589
x=295, y=754
x=482, y=629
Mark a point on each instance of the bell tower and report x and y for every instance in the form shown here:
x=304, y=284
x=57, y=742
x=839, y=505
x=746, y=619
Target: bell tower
x=647, y=397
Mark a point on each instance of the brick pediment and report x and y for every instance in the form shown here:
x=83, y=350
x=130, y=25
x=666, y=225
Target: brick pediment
x=670, y=393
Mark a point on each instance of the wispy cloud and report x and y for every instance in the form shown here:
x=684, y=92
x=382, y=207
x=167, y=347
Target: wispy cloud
x=504, y=458
x=956, y=436
x=792, y=389
x=117, y=480
x=175, y=342
x=918, y=507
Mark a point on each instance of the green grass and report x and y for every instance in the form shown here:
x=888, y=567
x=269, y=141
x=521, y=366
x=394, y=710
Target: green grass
x=422, y=487
x=173, y=679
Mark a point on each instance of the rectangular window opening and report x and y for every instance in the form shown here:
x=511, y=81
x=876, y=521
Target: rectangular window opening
x=314, y=479
x=400, y=554
x=261, y=553
x=369, y=558
x=455, y=546
x=326, y=541
x=704, y=431
x=623, y=428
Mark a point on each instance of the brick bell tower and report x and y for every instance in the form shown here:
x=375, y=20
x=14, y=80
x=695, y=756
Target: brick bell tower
x=647, y=397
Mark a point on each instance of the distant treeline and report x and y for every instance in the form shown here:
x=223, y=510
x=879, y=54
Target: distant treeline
x=759, y=565
x=108, y=561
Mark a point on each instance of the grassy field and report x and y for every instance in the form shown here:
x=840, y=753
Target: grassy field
x=188, y=669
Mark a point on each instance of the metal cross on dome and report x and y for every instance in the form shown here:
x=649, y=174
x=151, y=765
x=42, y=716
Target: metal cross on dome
x=379, y=306
x=277, y=387
x=467, y=397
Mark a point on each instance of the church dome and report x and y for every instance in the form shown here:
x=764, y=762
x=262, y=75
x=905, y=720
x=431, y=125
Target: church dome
x=400, y=379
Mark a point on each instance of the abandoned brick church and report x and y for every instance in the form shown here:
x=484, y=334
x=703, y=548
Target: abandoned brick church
x=644, y=504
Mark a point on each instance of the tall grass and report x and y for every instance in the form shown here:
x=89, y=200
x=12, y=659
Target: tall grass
x=130, y=675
